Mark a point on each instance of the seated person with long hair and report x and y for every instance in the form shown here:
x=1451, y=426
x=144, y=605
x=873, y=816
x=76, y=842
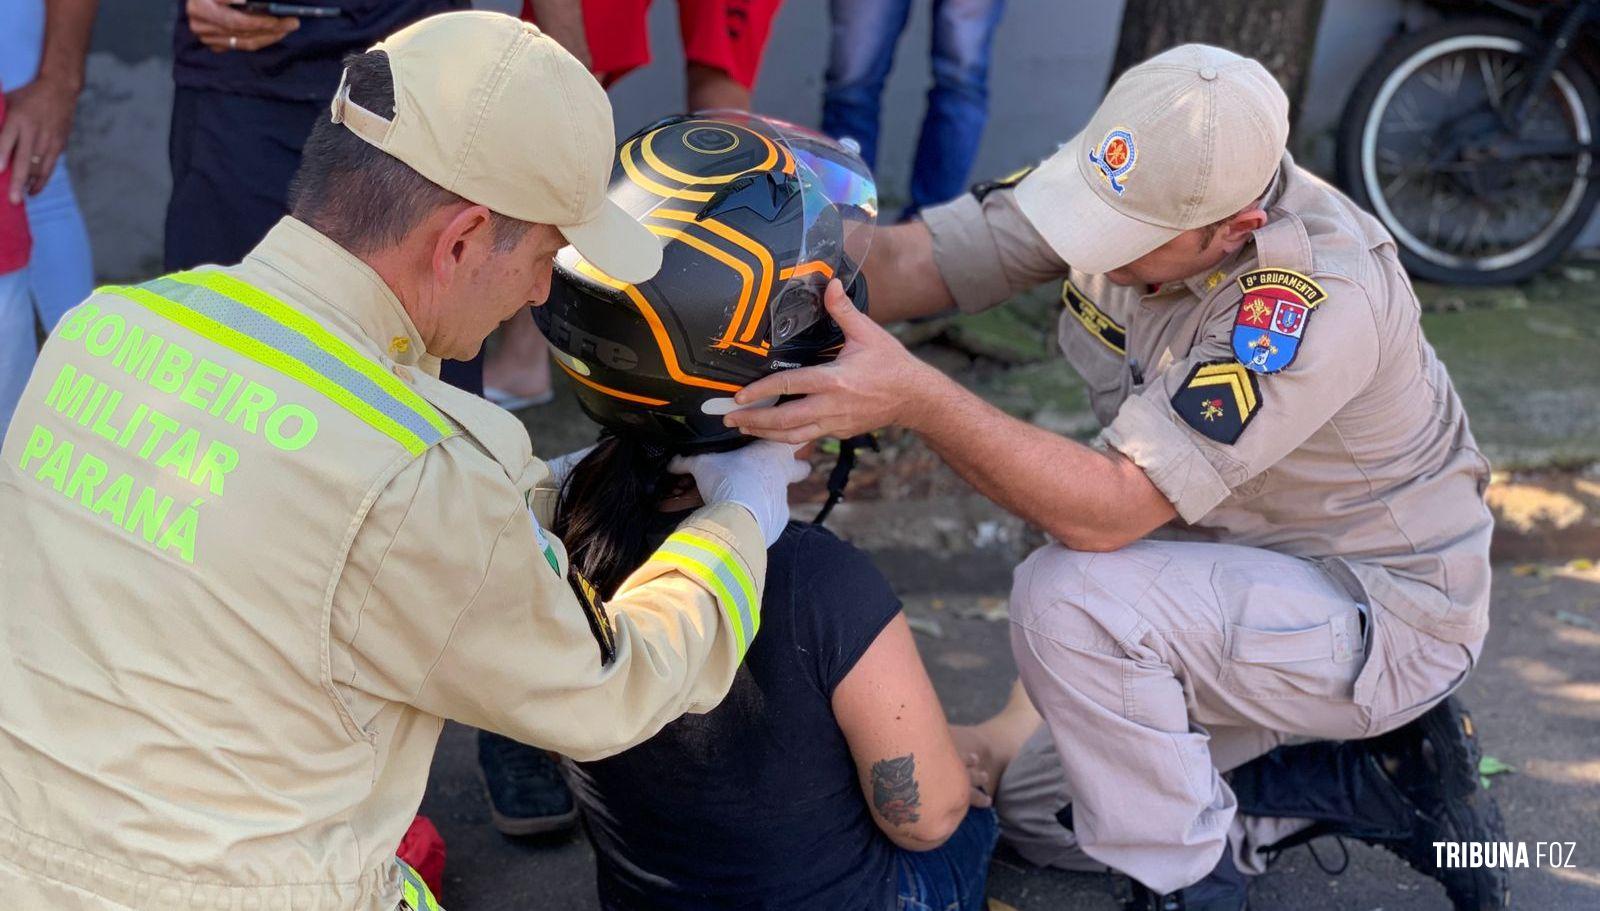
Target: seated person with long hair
x=828, y=777
x=826, y=772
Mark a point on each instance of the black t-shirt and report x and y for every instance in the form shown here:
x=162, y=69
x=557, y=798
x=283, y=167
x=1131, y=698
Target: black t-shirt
x=756, y=804
x=306, y=64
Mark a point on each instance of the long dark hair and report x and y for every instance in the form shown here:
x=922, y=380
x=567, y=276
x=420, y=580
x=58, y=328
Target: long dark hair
x=605, y=508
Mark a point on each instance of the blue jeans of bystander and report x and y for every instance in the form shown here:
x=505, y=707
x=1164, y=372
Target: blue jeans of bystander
x=17, y=350
x=862, y=53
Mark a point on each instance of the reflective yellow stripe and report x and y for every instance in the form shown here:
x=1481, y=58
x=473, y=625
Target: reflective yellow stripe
x=727, y=556
x=279, y=312
x=232, y=314
x=264, y=354
x=707, y=576
x=415, y=890
x=724, y=573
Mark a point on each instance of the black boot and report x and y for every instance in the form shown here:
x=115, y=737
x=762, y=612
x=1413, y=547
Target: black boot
x=526, y=793
x=1402, y=791
x=1223, y=889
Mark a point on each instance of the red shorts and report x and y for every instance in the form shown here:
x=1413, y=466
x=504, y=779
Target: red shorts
x=15, y=242
x=729, y=35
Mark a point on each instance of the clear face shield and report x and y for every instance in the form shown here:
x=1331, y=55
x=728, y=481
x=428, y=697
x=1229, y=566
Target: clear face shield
x=765, y=164
x=840, y=203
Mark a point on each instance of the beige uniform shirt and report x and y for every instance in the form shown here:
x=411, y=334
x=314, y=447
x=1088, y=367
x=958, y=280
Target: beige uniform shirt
x=254, y=553
x=1357, y=454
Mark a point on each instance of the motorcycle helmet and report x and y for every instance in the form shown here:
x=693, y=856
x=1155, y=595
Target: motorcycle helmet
x=755, y=217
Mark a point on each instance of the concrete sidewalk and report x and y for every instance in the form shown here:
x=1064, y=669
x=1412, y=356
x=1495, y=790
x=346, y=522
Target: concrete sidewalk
x=1535, y=697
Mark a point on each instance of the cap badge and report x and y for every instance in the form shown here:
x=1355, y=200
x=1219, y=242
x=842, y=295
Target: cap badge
x=1115, y=158
x=1272, y=317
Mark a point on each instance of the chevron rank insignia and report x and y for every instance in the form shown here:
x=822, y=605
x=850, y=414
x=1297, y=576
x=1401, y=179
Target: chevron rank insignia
x=1272, y=317
x=1218, y=399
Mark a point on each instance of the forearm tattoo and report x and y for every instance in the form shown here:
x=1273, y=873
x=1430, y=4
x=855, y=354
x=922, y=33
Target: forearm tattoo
x=894, y=789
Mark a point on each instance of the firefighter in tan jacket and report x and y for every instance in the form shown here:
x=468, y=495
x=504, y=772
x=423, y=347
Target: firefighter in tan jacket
x=254, y=551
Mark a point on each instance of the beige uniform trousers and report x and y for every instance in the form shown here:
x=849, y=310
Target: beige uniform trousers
x=1162, y=665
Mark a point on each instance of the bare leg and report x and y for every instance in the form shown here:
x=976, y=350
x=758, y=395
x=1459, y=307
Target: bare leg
x=989, y=746
x=710, y=87
x=521, y=364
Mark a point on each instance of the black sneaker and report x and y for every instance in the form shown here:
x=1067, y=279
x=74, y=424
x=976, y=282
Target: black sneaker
x=1403, y=791
x=527, y=795
x=1223, y=889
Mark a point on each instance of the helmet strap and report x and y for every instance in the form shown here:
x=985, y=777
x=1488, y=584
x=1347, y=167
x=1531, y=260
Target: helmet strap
x=840, y=475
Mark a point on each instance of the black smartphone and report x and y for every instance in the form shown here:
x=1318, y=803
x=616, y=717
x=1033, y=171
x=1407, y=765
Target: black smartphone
x=288, y=9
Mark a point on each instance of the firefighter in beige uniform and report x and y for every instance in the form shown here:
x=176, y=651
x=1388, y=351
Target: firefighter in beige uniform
x=1282, y=403
x=254, y=551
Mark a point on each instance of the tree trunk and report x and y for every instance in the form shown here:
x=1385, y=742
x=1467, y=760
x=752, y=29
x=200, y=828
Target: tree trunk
x=1281, y=34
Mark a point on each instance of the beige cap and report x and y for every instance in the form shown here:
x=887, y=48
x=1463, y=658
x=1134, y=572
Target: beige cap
x=1185, y=139
x=493, y=110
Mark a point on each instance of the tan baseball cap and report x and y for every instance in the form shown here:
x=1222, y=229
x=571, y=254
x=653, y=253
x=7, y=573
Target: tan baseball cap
x=1187, y=138
x=495, y=111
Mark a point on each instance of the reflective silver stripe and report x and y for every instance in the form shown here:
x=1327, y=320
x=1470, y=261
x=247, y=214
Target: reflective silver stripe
x=718, y=566
x=411, y=883
x=270, y=332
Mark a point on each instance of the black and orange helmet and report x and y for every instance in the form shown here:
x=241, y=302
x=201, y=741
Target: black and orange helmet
x=755, y=217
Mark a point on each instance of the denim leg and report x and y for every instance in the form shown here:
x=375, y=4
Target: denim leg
x=958, y=103
x=61, y=272
x=17, y=349
x=860, y=56
x=954, y=876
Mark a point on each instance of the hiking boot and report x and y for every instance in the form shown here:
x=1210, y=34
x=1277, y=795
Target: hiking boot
x=526, y=793
x=1402, y=791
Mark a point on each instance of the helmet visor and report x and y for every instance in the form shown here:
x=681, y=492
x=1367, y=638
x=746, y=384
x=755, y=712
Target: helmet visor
x=840, y=201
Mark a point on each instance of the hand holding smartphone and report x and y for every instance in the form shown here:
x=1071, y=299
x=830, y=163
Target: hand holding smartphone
x=296, y=10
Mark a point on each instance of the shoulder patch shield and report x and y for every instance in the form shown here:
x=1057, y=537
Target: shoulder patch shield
x=1272, y=317
x=1218, y=399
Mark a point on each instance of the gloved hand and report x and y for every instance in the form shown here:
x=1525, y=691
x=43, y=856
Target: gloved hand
x=756, y=477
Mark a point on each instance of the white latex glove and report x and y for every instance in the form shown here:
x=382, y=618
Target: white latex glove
x=562, y=465
x=756, y=477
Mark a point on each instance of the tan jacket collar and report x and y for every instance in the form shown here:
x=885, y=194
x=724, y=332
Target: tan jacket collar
x=337, y=277
x=1203, y=284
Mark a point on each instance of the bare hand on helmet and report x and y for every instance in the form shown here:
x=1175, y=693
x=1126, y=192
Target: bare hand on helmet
x=756, y=477
x=875, y=382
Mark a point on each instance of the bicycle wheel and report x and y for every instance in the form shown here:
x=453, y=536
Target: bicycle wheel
x=1415, y=148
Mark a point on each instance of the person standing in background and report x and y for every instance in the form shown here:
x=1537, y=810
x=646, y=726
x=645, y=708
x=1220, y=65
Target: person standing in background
x=865, y=33
x=249, y=89
x=42, y=49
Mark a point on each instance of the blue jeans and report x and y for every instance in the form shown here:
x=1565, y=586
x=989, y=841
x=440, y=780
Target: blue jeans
x=58, y=277
x=17, y=350
x=862, y=53
x=61, y=271
x=955, y=876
